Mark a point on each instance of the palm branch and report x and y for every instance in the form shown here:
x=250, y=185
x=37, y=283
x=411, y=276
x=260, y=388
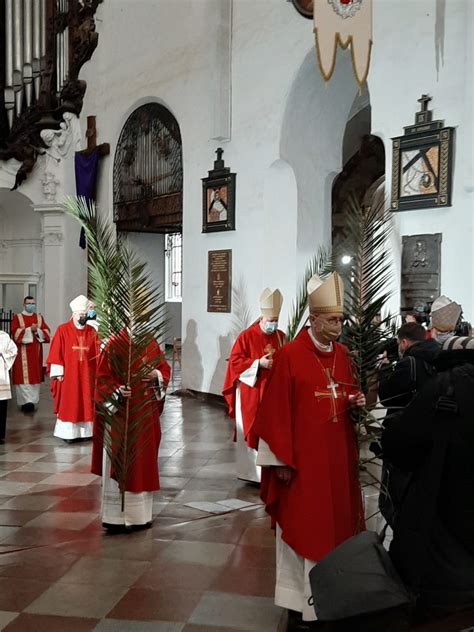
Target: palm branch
x=368, y=288
x=241, y=316
x=130, y=309
x=318, y=265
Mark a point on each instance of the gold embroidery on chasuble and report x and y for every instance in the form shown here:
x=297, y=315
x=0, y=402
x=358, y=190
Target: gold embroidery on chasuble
x=332, y=393
x=79, y=347
x=269, y=349
x=24, y=357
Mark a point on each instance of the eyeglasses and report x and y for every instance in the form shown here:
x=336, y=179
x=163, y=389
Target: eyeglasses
x=335, y=320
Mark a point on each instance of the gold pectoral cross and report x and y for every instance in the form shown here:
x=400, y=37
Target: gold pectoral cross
x=80, y=348
x=331, y=393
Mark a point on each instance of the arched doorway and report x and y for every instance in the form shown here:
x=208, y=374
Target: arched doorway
x=148, y=199
x=363, y=172
x=21, y=254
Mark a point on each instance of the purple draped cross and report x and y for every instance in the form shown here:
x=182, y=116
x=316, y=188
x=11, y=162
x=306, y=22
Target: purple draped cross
x=86, y=176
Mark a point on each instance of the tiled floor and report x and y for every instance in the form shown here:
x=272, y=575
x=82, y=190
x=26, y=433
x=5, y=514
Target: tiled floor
x=206, y=565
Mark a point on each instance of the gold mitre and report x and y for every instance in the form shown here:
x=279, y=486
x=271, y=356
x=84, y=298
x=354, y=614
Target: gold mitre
x=326, y=297
x=445, y=314
x=270, y=303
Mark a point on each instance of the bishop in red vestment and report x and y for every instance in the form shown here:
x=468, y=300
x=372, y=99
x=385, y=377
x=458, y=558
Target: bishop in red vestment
x=29, y=331
x=148, y=395
x=72, y=362
x=307, y=441
x=248, y=369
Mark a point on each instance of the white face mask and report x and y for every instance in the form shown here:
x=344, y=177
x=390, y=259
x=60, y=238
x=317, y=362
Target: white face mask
x=270, y=327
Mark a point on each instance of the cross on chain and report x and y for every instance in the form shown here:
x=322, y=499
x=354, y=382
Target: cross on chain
x=80, y=348
x=332, y=386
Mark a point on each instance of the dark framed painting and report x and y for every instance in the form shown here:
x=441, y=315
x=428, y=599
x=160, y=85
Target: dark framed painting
x=218, y=198
x=422, y=164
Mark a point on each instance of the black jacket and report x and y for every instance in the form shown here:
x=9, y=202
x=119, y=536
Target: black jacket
x=397, y=386
x=436, y=552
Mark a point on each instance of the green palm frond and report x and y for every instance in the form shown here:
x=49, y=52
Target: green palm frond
x=130, y=312
x=241, y=315
x=318, y=265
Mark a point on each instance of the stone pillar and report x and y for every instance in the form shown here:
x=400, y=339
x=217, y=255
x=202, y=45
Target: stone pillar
x=65, y=263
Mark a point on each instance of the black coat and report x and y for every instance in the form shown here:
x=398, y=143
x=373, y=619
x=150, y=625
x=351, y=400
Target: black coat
x=397, y=386
x=436, y=553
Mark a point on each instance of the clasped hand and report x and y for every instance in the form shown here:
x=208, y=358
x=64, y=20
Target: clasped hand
x=266, y=361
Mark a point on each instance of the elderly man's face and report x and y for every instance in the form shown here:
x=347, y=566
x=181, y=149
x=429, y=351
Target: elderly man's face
x=326, y=327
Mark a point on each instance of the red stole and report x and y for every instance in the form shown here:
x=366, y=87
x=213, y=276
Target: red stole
x=305, y=419
x=251, y=345
x=28, y=366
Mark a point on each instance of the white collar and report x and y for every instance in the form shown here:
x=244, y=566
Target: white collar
x=325, y=348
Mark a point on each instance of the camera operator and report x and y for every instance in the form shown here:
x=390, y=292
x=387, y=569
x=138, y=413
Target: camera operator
x=397, y=388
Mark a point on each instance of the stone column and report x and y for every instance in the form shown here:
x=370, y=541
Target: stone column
x=53, y=229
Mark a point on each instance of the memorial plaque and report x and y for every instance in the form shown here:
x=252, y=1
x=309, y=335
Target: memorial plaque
x=421, y=270
x=219, y=281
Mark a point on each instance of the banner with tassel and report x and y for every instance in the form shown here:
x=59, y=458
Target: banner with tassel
x=344, y=23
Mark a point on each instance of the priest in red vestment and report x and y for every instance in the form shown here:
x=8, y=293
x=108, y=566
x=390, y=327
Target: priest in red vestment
x=248, y=369
x=146, y=398
x=29, y=331
x=307, y=441
x=72, y=362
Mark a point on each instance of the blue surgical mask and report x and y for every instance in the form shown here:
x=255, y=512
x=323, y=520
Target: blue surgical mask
x=30, y=308
x=270, y=327
x=91, y=314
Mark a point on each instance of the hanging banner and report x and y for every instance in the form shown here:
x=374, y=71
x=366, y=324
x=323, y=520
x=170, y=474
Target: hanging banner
x=344, y=23
x=85, y=166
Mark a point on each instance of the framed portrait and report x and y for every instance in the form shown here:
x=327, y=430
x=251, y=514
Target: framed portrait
x=218, y=199
x=422, y=163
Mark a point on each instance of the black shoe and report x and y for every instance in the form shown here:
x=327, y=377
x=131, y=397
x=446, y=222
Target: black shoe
x=115, y=529
x=2, y=441
x=140, y=527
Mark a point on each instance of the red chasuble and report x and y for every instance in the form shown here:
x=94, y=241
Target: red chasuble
x=77, y=351
x=28, y=367
x=251, y=345
x=304, y=417
x=143, y=472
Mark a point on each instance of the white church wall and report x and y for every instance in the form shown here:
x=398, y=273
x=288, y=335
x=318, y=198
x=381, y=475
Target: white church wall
x=178, y=68
x=178, y=54
x=403, y=67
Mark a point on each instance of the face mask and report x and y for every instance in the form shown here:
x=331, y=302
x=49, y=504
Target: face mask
x=91, y=314
x=270, y=328
x=332, y=331
x=82, y=320
x=30, y=308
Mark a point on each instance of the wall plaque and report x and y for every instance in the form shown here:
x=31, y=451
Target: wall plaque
x=219, y=281
x=421, y=271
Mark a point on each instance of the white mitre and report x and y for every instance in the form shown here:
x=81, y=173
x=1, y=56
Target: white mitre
x=270, y=303
x=79, y=304
x=326, y=297
x=445, y=314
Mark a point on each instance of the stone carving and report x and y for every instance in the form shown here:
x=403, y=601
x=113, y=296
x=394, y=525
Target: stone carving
x=50, y=184
x=60, y=141
x=52, y=238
